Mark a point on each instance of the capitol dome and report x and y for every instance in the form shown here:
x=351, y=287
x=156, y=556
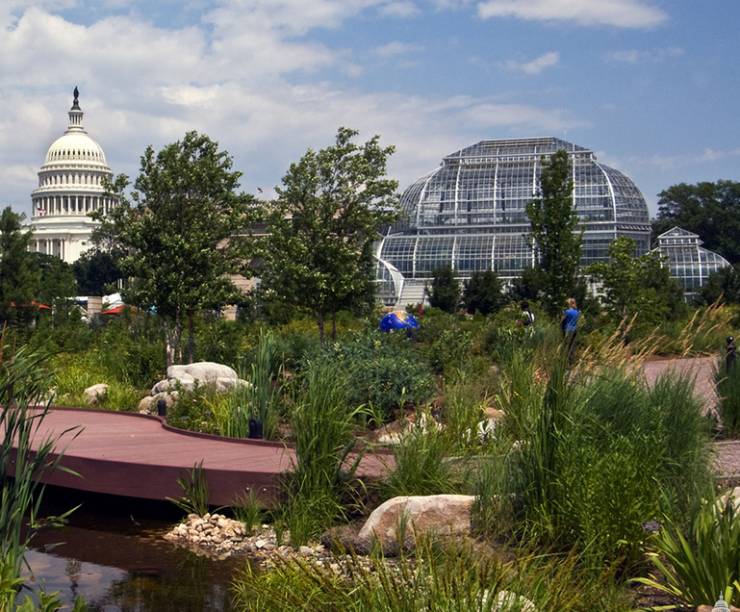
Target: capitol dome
x=470, y=213
x=71, y=186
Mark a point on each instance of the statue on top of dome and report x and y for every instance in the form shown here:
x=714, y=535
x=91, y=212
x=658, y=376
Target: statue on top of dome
x=76, y=102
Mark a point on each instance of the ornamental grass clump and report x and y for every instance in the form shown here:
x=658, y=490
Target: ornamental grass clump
x=323, y=426
x=455, y=577
x=598, y=454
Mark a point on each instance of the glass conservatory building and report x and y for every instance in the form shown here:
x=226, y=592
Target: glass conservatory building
x=470, y=213
x=690, y=264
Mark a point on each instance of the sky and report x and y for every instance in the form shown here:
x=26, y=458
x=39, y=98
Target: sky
x=651, y=86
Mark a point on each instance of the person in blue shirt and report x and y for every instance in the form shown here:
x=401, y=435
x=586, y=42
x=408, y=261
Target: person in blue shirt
x=569, y=326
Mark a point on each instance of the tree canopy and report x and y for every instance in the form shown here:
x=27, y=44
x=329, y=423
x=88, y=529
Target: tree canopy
x=724, y=284
x=19, y=279
x=96, y=272
x=444, y=290
x=329, y=211
x=554, y=224
x=638, y=287
x=483, y=293
x=711, y=210
x=178, y=232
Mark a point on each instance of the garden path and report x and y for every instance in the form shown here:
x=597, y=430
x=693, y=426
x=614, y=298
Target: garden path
x=139, y=456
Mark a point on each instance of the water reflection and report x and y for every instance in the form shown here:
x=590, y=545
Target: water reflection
x=118, y=562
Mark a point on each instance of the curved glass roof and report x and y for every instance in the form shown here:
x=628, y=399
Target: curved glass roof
x=470, y=212
x=689, y=263
x=491, y=182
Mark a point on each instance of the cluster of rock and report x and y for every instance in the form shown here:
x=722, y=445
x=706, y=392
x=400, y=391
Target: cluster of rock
x=186, y=378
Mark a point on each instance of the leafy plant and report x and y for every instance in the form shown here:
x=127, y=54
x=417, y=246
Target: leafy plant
x=697, y=566
x=194, y=485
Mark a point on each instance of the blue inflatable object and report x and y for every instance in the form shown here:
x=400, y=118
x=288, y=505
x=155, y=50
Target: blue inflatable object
x=398, y=319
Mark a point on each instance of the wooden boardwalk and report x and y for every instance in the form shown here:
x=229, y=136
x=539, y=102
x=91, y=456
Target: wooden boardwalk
x=139, y=456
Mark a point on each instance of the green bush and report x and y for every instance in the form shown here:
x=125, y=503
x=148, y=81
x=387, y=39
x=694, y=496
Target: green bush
x=381, y=371
x=728, y=390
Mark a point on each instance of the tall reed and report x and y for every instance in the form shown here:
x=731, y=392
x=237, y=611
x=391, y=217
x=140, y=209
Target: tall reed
x=323, y=431
x=24, y=458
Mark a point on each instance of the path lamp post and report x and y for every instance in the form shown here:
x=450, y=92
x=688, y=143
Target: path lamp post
x=721, y=605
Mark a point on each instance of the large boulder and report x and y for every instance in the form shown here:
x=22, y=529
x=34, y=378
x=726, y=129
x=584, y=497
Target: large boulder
x=186, y=377
x=399, y=521
x=148, y=405
x=96, y=394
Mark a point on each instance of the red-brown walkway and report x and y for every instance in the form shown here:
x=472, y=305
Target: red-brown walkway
x=137, y=456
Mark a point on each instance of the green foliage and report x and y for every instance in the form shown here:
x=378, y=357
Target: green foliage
x=593, y=448
x=330, y=209
x=247, y=509
x=96, y=272
x=554, y=224
x=18, y=277
x=56, y=280
x=178, y=232
x=697, y=566
x=637, y=287
x=483, y=293
x=444, y=290
x=194, y=499
x=264, y=391
x=722, y=285
x=419, y=466
x=23, y=384
x=728, y=391
x=707, y=209
x=458, y=577
x=529, y=286
x=381, y=371
x=323, y=430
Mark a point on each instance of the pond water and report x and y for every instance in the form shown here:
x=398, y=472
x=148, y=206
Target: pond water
x=112, y=553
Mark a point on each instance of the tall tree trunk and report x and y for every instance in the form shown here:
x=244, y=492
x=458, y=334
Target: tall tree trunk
x=191, y=338
x=333, y=325
x=320, y=323
x=173, y=337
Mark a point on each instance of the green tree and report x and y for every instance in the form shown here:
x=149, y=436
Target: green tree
x=19, y=279
x=529, y=286
x=711, y=210
x=723, y=284
x=639, y=287
x=444, y=290
x=329, y=210
x=178, y=233
x=554, y=224
x=56, y=279
x=96, y=272
x=483, y=293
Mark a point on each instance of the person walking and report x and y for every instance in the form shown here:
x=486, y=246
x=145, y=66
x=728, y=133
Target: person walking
x=569, y=326
x=527, y=319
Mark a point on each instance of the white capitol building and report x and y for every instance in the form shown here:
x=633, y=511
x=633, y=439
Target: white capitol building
x=70, y=188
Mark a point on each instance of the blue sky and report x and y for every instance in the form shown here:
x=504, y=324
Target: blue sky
x=652, y=86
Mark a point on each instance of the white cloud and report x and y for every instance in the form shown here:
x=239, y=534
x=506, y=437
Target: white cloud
x=617, y=13
x=403, y=8
x=535, y=66
x=231, y=77
x=635, y=56
x=395, y=48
